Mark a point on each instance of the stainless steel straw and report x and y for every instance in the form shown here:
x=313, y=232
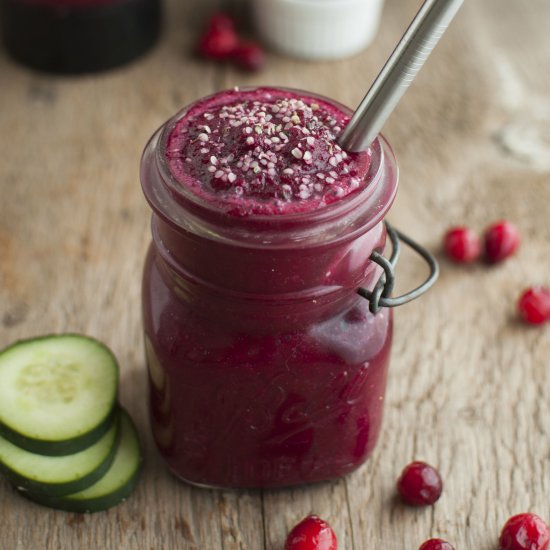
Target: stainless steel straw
x=407, y=59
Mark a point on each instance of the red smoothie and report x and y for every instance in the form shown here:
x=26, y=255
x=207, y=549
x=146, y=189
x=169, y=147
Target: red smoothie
x=266, y=367
x=264, y=151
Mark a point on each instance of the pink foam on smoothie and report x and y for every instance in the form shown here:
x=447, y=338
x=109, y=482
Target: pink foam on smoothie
x=263, y=152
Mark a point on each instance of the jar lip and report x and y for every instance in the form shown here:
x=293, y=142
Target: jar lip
x=261, y=228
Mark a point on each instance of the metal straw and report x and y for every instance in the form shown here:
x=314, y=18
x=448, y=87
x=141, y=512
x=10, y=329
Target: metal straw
x=407, y=59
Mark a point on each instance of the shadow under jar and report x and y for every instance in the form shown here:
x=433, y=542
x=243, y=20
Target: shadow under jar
x=78, y=36
x=266, y=367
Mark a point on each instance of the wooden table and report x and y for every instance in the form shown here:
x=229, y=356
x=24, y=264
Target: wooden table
x=469, y=387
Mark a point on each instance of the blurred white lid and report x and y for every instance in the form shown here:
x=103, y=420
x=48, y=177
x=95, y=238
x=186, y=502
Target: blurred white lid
x=317, y=29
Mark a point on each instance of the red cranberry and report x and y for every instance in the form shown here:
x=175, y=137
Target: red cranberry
x=312, y=533
x=501, y=240
x=534, y=305
x=436, y=544
x=461, y=244
x=249, y=56
x=524, y=532
x=419, y=484
x=219, y=40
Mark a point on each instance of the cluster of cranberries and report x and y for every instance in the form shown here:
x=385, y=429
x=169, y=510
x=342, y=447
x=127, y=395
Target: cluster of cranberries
x=220, y=42
x=500, y=240
x=420, y=485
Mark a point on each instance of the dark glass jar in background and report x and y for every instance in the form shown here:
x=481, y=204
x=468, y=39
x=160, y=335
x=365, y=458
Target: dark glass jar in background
x=75, y=36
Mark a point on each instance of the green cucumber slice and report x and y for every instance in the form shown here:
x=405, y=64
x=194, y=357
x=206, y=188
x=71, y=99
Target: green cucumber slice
x=115, y=486
x=57, y=393
x=59, y=475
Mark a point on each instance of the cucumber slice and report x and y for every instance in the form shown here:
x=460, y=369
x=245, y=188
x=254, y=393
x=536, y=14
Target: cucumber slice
x=59, y=475
x=114, y=487
x=57, y=393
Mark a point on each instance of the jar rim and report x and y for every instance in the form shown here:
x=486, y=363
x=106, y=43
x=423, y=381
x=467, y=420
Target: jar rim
x=182, y=207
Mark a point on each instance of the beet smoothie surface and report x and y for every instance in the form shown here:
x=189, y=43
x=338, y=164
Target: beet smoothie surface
x=78, y=36
x=267, y=365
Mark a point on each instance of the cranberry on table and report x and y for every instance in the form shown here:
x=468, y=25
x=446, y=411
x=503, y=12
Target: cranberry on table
x=524, y=532
x=249, y=56
x=436, y=544
x=312, y=533
x=501, y=240
x=461, y=244
x=419, y=484
x=219, y=39
x=534, y=305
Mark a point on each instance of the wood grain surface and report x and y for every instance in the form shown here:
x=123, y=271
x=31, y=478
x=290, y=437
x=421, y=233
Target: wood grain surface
x=469, y=386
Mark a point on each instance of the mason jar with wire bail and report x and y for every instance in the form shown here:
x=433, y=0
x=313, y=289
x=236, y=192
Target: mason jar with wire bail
x=267, y=336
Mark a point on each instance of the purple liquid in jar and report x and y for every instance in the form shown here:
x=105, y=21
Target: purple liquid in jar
x=266, y=368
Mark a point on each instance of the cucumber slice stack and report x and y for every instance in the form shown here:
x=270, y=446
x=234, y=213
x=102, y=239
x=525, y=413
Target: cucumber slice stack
x=64, y=440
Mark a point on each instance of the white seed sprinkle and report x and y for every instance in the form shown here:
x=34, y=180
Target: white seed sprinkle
x=203, y=137
x=332, y=161
x=213, y=160
x=250, y=140
x=296, y=153
x=212, y=169
x=320, y=175
x=330, y=180
x=288, y=171
x=205, y=151
x=307, y=156
x=231, y=177
x=219, y=174
x=310, y=140
x=333, y=174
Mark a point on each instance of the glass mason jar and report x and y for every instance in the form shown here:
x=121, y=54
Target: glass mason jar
x=266, y=366
x=74, y=36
